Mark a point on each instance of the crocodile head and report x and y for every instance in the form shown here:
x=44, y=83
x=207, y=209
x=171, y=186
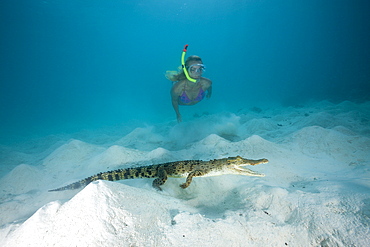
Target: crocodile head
x=235, y=166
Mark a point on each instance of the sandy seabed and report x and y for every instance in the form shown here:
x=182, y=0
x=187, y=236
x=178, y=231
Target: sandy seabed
x=316, y=191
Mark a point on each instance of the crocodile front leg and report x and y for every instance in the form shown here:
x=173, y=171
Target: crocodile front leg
x=162, y=178
x=196, y=173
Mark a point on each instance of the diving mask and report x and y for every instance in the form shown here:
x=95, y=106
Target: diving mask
x=197, y=68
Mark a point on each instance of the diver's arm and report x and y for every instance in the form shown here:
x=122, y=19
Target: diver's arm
x=175, y=104
x=207, y=84
x=209, y=92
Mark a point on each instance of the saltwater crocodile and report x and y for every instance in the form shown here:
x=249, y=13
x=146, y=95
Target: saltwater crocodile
x=177, y=169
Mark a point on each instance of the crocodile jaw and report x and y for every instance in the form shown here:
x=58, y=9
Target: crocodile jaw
x=232, y=170
x=239, y=170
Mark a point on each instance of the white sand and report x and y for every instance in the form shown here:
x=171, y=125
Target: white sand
x=316, y=191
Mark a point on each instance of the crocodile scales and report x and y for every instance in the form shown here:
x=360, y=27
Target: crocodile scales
x=177, y=169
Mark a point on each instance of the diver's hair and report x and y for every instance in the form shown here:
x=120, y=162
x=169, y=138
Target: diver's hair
x=181, y=75
x=191, y=59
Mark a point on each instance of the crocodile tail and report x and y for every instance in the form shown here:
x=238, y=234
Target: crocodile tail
x=110, y=176
x=115, y=175
x=76, y=185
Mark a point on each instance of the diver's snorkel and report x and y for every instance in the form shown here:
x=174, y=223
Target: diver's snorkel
x=183, y=65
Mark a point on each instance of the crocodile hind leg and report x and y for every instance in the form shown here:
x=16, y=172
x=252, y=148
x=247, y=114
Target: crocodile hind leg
x=196, y=173
x=162, y=178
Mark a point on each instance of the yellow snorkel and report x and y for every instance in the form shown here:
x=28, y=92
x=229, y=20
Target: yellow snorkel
x=183, y=65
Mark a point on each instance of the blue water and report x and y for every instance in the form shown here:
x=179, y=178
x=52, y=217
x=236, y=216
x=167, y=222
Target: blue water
x=73, y=64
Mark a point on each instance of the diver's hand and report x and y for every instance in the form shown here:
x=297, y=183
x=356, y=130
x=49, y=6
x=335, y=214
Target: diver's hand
x=179, y=119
